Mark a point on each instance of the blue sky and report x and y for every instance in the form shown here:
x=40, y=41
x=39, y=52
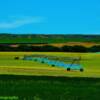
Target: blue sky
x=50, y=16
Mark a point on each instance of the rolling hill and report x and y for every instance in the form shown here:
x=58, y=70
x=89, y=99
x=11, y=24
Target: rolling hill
x=47, y=38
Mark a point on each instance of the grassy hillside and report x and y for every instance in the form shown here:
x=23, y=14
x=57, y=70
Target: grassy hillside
x=34, y=38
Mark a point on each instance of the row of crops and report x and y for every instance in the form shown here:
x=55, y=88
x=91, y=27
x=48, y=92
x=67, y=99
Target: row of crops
x=54, y=61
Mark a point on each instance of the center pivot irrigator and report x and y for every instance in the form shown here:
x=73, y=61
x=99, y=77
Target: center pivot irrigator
x=68, y=63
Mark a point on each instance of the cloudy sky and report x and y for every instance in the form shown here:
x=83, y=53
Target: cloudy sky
x=50, y=16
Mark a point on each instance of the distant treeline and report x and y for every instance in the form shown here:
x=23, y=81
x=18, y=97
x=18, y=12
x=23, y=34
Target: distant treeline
x=49, y=48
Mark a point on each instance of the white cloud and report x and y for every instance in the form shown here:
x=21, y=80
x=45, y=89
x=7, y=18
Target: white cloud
x=20, y=21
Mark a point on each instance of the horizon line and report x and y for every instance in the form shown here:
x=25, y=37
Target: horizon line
x=50, y=33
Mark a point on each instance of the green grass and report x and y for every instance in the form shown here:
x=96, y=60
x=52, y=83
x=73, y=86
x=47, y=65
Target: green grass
x=8, y=65
x=49, y=88
x=29, y=80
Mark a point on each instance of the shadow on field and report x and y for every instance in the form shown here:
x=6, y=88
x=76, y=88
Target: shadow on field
x=50, y=78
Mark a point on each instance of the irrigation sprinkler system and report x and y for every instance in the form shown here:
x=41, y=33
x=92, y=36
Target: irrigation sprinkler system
x=69, y=63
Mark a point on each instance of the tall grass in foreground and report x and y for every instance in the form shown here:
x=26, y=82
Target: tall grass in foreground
x=49, y=88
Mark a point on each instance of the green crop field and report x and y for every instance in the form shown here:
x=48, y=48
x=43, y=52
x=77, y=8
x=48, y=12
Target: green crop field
x=30, y=80
x=42, y=38
x=8, y=65
x=48, y=88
